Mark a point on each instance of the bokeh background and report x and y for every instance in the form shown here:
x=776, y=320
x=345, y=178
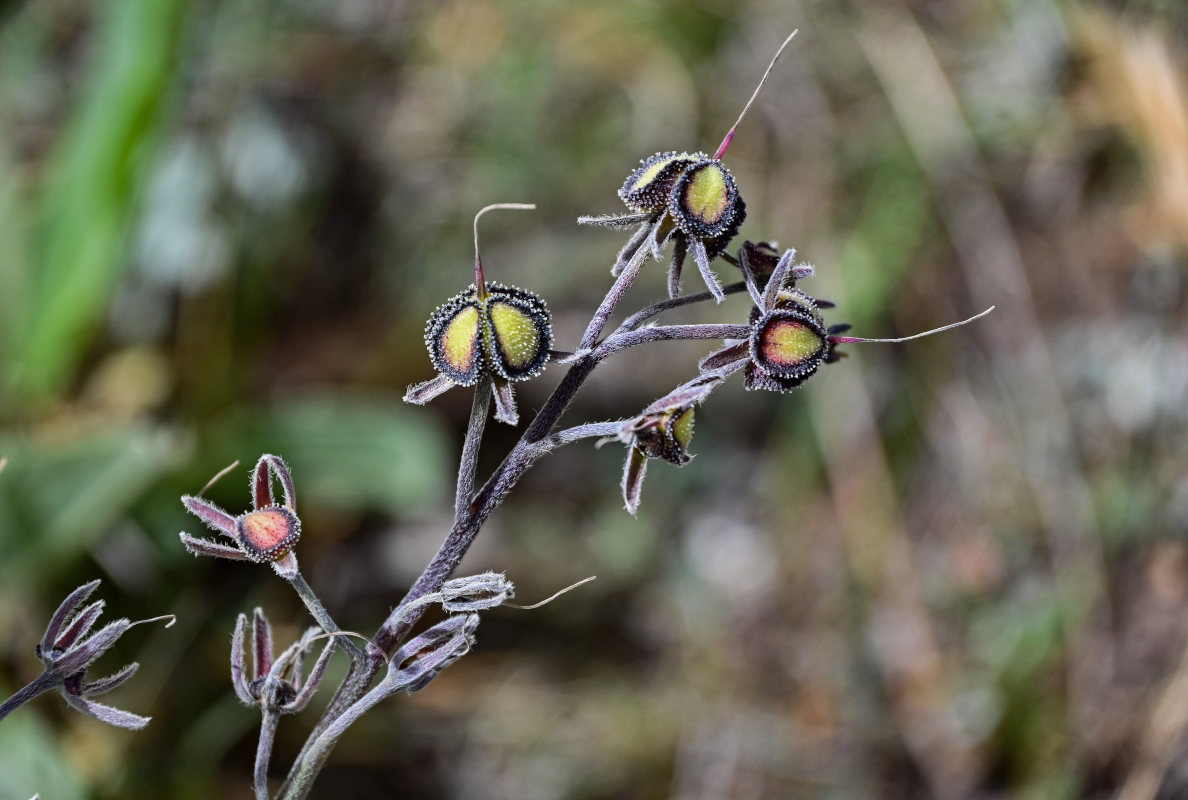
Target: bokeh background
x=956, y=568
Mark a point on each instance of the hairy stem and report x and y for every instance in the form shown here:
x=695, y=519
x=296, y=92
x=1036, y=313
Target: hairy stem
x=626, y=339
x=39, y=685
x=322, y=617
x=645, y=314
x=535, y=442
x=268, y=723
x=614, y=297
x=307, y=768
x=468, y=464
x=591, y=430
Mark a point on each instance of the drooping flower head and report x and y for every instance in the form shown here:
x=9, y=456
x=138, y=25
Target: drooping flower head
x=662, y=430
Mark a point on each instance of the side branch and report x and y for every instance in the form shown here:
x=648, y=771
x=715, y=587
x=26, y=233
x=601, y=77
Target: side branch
x=643, y=315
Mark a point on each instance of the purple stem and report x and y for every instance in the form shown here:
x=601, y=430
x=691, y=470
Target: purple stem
x=39, y=685
x=643, y=315
x=468, y=464
x=613, y=297
x=268, y=723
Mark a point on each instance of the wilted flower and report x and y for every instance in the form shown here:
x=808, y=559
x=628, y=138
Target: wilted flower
x=67, y=650
x=424, y=657
x=276, y=685
x=266, y=534
x=663, y=430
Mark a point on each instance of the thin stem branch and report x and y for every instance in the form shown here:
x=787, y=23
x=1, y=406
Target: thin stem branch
x=626, y=339
x=643, y=315
x=591, y=430
x=268, y=724
x=468, y=464
x=322, y=617
x=38, y=686
x=307, y=768
x=614, y=297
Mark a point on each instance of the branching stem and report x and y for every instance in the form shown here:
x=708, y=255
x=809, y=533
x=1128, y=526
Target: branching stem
x=472, y=509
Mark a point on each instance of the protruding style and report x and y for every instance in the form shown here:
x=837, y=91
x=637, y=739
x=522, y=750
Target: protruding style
x=789, y=339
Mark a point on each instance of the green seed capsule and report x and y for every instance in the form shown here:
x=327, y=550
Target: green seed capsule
x=453, y=338
x=704, y=201
x=649, y=187
x=666, y=435
x=789, y=344
x=517, y=334
x=507, y=331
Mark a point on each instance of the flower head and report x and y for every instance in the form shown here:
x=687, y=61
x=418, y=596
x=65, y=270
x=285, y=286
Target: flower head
x=68, y=648
x=265, y=534
x=789, y=339
x=490, y=331
x=690, y=198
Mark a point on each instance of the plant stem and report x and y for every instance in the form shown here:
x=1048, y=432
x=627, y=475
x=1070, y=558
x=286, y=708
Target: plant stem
x=322, y=617
x=39, y=685
x=468, y=464
x=534, y=443
x=315, y=754
x=268, y=723
x=645, y=314
x=590, y=430
x=621, y=341
x=613, y=297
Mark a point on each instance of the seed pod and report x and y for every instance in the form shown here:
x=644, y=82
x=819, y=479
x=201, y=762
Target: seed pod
x=517, y=334
x=666, y=435
x=507, y=331
x=789, y=343
x=704, y=200
x=268, y=533
x=452, y=336
x=649, y=187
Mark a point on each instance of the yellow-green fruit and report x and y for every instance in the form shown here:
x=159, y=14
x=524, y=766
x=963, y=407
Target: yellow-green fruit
x=648, y=188
x=507, y=331
x=789, y=343
x=682, y=429
x=704, y=201
x=517, y=334
x=452, y=336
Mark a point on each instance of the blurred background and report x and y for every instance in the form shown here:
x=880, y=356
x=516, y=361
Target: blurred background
x=956, y=568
